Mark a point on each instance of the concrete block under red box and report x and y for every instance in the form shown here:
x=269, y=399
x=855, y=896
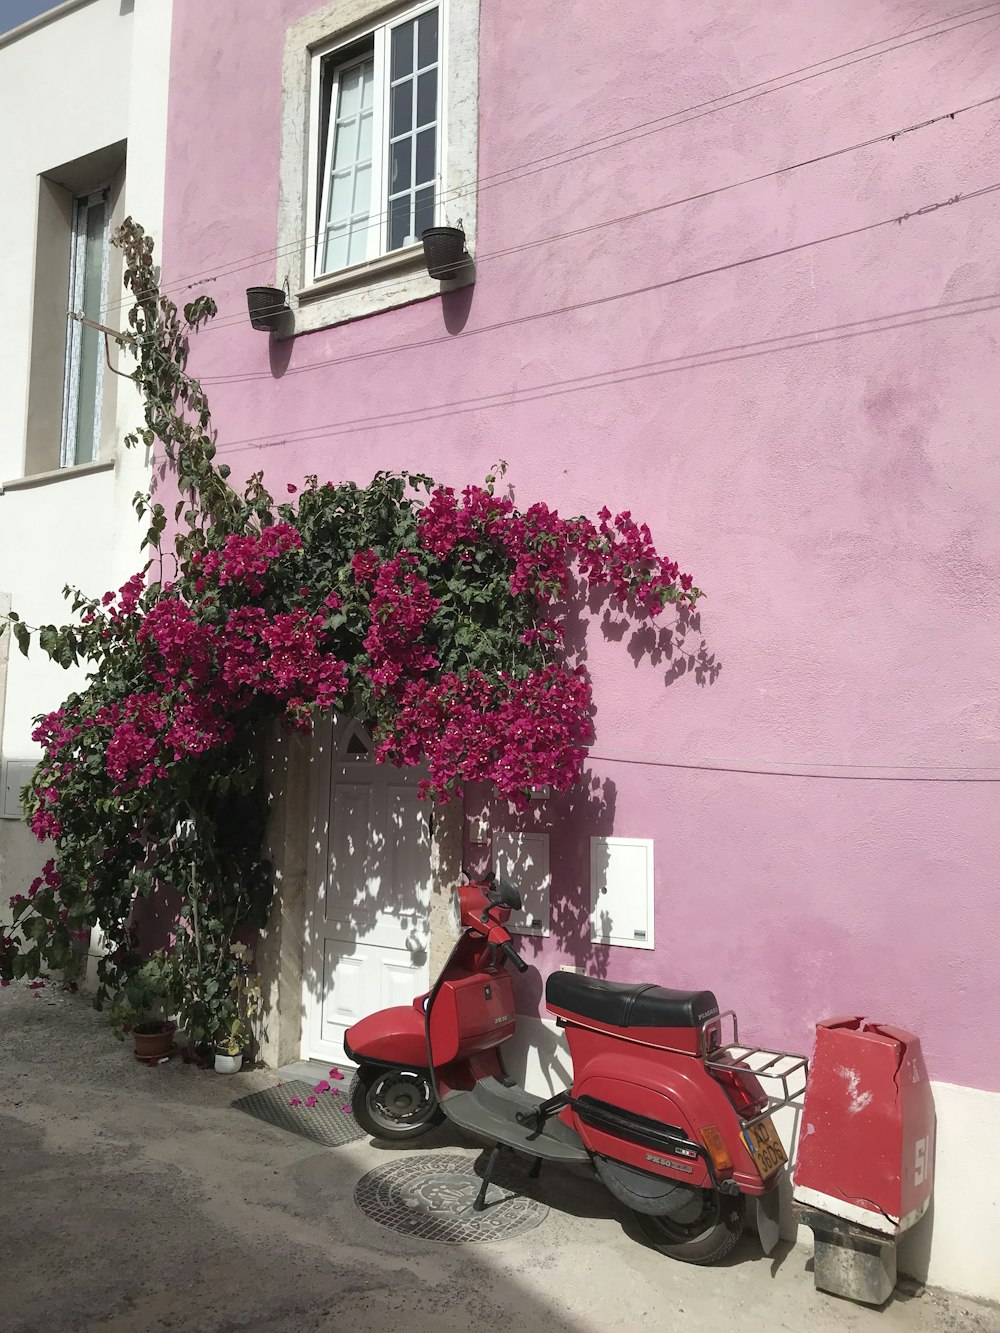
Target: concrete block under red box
x=866, y=1143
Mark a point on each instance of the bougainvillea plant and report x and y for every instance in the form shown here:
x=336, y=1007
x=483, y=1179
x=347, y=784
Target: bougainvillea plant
x=436, y=617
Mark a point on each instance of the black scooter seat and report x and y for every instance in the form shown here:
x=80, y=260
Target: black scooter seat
x=623, y=1005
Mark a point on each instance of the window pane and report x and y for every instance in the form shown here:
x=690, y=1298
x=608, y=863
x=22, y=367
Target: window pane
x=401, y=113
x=358, y=249
x=351, y=88
x=349, y=191
x=427, y=96
x=427, y=40
x=402, y=50
x=399, y=165
x=399, y=221
x=365, y=138
x=337, y=241
x=425, y=211
x=342, y=196
x=92, y=259
x=426, y=144
x=362, y=189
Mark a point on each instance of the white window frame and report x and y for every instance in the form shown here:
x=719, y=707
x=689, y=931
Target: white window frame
x=378, y=208
x=398, y=277
x=75, y=330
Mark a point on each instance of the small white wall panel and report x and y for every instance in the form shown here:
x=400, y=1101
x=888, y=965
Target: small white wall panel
x=15, y=775
x=621, y=892
x=523, y=858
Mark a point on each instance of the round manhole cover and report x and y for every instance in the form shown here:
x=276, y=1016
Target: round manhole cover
x=431, y=1196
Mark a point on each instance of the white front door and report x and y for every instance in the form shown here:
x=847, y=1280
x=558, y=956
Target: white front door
x=367, y=930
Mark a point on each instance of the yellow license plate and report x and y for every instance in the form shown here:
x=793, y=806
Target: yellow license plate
x=765, y=1148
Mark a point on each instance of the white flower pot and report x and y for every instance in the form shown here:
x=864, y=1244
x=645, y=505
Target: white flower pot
x=228, y=1064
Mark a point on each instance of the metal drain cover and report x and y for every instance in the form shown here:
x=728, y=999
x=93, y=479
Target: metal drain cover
x=430, y=1196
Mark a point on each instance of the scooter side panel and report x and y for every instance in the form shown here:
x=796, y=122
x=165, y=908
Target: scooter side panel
x=679, y=1093
x=470, y=1014
x=392, y=1036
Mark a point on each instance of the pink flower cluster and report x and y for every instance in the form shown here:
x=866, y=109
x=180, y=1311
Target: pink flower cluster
x=401, y=607
x=515, y=733
x=245, y=560
x=546, y=548
x=208, y=673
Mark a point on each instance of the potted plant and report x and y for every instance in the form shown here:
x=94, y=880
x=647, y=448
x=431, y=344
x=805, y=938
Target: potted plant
x=142, y=1007
x=235, y=1033
x=444, y=251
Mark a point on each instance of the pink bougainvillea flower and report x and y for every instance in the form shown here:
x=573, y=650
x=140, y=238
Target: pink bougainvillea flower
x=37, y=985
x=292, y=489
x=311, y=1101
x=334, y=1092
x=322, y=1086
x=295, y=1101
x=346, y=1109
x=335, y=1073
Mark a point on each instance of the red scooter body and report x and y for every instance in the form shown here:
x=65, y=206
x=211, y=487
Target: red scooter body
x=662, y=1110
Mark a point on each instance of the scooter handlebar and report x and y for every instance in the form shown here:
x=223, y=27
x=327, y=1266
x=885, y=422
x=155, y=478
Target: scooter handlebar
x=510, y=953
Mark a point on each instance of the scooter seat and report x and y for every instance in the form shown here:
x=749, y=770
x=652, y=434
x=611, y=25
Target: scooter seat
x=622, y=1005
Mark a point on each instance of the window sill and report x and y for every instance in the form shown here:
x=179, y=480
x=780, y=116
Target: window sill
x=356, y=274
x=60, y=474
x=365, y=289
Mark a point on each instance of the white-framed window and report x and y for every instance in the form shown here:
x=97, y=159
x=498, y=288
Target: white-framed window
x=379, y=140
x=377, y=124
x=621, y=891
x=83, y=379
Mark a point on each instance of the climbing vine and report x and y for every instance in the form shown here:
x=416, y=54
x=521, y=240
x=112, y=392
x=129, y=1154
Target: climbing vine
x=436, y=617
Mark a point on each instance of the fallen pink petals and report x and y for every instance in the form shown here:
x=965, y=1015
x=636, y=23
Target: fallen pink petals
x=295, y=1101
x=335, y=1073
x=346, y=1109
x=322, y=1086
x=311, y=1101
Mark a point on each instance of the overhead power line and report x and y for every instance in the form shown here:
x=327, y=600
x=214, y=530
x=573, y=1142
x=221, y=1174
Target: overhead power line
x=887, y=137
x=596, y=301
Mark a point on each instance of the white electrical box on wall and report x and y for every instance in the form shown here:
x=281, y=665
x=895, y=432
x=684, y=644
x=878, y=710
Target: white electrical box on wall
x=523, y=858
x=14, y=774
x=621, y=892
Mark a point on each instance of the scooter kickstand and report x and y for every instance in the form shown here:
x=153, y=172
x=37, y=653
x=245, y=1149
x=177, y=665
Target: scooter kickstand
x=480, y=1203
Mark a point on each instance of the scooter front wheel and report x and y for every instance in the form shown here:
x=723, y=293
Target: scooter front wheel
x=703, y=1232
x=394, y=1104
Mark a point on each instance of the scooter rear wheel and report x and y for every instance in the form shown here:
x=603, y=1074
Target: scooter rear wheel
x=703, y=1233
x=394, y=1104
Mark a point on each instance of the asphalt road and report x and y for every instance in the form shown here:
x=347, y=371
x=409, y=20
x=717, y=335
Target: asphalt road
x=136, y=1199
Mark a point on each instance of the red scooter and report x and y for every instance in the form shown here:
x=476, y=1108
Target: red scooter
x=675, y=1123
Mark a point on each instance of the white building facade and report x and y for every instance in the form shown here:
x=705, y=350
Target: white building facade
x=83, y=103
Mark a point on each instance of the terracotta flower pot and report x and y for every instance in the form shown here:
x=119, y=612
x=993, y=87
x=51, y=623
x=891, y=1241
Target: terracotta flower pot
x=153, y=1040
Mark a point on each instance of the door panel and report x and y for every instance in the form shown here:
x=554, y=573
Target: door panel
x=371, y=897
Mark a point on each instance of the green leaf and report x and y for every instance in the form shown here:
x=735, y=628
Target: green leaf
x=23, y=636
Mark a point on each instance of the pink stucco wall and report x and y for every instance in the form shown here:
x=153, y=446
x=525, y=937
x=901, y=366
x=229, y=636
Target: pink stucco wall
x=824, y=802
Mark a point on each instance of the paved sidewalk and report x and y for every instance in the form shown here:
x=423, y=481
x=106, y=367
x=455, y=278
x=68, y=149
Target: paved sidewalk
x=136, y=1199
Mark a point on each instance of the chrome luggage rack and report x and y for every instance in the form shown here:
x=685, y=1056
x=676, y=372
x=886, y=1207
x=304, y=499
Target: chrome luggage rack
x=782, y=1066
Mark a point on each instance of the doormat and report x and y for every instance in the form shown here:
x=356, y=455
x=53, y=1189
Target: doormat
x=430, y=1196
x=326, y=1122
